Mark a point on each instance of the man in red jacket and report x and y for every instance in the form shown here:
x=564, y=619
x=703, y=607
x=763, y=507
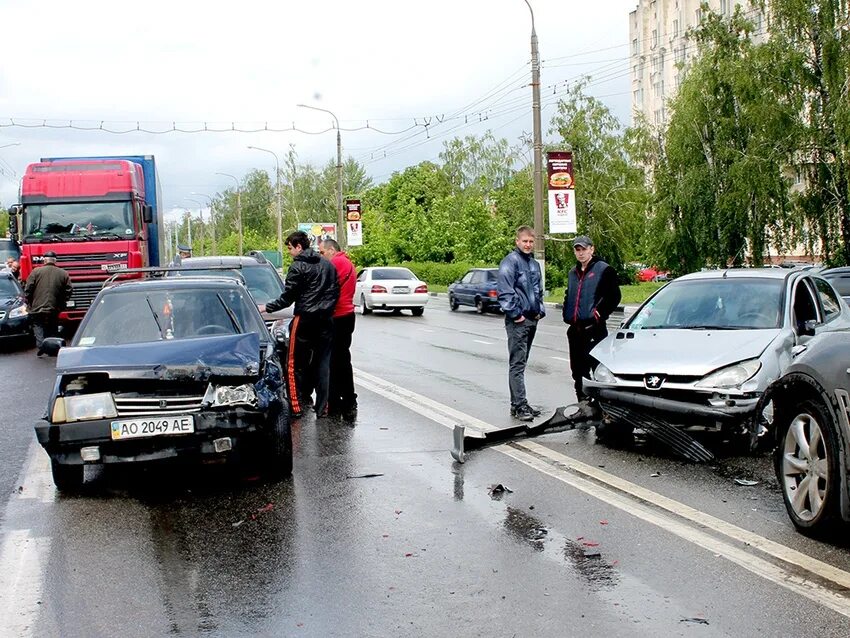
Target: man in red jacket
x=343, y=400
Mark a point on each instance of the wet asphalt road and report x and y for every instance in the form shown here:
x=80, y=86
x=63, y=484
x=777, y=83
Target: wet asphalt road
x=590, y=541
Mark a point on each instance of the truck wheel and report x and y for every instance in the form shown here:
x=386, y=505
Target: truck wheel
x=278, y=453
x=67, y=478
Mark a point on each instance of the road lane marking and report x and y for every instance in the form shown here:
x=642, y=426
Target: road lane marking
x=486, y=343
x=22, y=557
x=631, y=498
x=36, y=479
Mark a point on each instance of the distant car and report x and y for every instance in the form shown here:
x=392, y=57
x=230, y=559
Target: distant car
x=652, y=274
x=840, y=280
x=14, y=318
x=476, y=288
x=390, y=288
x=164, y=369
x=8, y=248
x=700, y=353
x=811, y=408
x=260, y=276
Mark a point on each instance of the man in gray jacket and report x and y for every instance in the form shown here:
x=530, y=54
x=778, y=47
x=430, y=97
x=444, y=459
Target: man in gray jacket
x=48, y=289
x=521, y=299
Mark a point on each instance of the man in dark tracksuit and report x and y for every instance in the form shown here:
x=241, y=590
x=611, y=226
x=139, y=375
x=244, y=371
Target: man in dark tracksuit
x=311, y=284
x=48, y=289
x=521, y=299
x=592, y=295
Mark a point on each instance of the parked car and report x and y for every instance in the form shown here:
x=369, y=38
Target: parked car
x=652, y=274
x=390, y=288
x=260, y=276
x=700, y=352
x=840, y=280
x=166, y=369
x=476, y=288
x=811, y=409
x=14, y=318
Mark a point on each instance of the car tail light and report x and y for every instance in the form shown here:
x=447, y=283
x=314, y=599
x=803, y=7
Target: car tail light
x=421, y=289
x=493, y=294
x=378, y=289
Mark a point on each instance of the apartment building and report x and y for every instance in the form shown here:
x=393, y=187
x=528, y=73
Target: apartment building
x=659, y=49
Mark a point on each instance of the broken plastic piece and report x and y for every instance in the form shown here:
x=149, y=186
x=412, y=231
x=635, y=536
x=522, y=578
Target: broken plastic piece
x=746, y=482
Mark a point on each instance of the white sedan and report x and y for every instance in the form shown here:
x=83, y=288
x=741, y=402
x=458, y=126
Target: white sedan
x=390, y=288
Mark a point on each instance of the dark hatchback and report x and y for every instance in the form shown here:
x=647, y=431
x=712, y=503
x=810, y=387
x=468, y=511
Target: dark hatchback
x=165, y=369
x=14, y=319
x=840, y=280
x=476, y=288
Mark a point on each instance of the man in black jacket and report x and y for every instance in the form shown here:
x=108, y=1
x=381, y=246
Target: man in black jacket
x=311, y=284
x=593, y=293
x=48, y=289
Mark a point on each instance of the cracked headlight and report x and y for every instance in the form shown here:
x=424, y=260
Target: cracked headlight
x=730, y=376
x=20, y=311
x=84, y=407
x=603, y=375
x=222, y=395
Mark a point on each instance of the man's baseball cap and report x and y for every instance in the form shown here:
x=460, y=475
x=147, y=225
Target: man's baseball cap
x=184, y=248
x=582, y=240
x=49, y=253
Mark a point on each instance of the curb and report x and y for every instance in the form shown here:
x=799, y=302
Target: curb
x=549, y=304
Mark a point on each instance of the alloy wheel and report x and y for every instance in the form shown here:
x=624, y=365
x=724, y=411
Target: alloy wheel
x=805, y=467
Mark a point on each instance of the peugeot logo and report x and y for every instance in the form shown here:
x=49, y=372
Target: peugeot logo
x=163, y=404
x=653, y=381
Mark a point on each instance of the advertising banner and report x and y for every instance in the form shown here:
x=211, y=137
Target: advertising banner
x=354, y=226
x=318, y=231
x=562, y=202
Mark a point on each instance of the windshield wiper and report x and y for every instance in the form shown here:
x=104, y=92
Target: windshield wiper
x=708, y=327
x=104, y=236
x=230, y=314
x=155, y=317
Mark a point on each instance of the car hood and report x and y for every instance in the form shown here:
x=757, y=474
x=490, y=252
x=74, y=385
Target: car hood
x=10, y=302
x=680, y=352
x=194, y=359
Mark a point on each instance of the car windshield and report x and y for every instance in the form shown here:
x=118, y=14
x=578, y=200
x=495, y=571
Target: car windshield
x=79, y=221
x=722, y=304
x=8, y=288
x=392, y=273
x=263, y=283
x=137, y=316
x=841, y=283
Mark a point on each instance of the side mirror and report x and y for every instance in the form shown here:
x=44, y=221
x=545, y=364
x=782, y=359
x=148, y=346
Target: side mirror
x=147, y=213
x=808, y=329
x=14, y=211
x=52, y=345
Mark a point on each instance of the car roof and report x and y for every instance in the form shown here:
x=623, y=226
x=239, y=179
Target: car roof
x=222, y=260
x=840, y=270
x=740, y=273
x=178, y=283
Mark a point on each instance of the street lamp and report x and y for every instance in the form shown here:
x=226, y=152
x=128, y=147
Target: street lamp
x=238, y=206
x=539, y=246
x=201, y=217
x=340, y=234
x=212, y=219
x=277, y=187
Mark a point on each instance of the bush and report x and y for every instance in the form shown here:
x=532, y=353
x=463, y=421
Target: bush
x=438, y=273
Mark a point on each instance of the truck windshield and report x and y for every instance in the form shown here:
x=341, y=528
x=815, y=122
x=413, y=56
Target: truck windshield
x=78, y=221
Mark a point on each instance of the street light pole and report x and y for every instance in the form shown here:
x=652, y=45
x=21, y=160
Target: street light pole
x=211, y=202
x=238, y=207
x=340, y=218
x=539, y=246
x=201, y=217
x=277, y=188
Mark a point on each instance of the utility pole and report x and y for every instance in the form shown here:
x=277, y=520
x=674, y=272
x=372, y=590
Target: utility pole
x=238, y=207
x=539, y=245
x=277, y=182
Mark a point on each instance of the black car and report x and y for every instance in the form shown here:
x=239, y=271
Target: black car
x=476, y=288
x=840, y=280
x=261, y=277
x=166, y=369
x=14, y=320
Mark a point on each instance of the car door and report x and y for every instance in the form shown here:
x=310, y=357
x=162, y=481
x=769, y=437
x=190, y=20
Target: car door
x=362, y=276
x=833, y=312
x=479, y=281
x=804, y=308
x=463, y=288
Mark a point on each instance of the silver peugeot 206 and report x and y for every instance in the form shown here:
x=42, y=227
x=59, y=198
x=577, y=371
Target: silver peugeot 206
x=700, y=353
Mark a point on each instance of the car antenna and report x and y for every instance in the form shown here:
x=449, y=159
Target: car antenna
x=725, y=272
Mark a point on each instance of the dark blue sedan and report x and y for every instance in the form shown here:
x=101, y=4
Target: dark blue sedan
x=14, y=320
x=476, y=288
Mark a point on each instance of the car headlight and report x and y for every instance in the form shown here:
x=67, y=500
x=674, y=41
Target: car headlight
x=603, y=375
x=20, y=311
x=222, y=395
x=730, y=376
x=84, y=407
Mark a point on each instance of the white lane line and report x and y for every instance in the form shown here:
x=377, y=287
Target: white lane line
x=22, y=557
x=486, y=343
x=759, y=566
x=560, y=359
x=623, y=492
x=36, y=479
x=426, y=330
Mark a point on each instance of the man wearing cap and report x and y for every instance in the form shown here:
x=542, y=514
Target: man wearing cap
x=520, y=289
x=183, y=251
x=48, y=289
x=593, y=293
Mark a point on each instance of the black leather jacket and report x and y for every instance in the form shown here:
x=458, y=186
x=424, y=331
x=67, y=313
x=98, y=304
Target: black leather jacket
x=311, y=284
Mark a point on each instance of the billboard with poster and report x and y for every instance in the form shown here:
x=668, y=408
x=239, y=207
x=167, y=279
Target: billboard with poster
x=353, y=223
x=561, y=183
x=318, y=231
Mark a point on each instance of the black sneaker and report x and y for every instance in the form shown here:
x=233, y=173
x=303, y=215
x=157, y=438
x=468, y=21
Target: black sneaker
x=534, y=411
x=523, y=413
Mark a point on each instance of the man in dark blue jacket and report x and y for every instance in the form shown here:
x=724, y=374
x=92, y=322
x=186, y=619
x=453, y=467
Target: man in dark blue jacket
x=521, y=299
x=593, y=293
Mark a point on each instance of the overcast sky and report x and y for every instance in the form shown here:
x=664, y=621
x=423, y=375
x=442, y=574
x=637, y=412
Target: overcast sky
x=394, y=63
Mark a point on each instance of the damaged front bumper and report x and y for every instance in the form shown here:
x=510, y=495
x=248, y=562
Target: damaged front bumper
x=63, y=442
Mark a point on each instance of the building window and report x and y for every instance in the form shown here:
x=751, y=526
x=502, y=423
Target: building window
x=724, y=7
x=658, y=88
x=659, y=117
x=654, y=38
x=635, y=46
x=798, y=175
x=637, y=96
x=675, y=28
x=697, y=16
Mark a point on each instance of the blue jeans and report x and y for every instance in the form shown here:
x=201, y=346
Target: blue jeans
x=520, y=337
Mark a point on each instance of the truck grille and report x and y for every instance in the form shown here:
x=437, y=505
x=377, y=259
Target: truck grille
x=88, y=266
x=129, y=405
x=83, y=293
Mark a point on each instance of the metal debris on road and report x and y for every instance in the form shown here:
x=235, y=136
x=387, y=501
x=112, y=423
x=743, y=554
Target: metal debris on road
x=746, y=482
x=499, y=489
x=698, y=621
x=371, y=475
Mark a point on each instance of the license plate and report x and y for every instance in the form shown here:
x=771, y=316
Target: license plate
x=113, y=267
x=401, y=290
x=152, y=426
